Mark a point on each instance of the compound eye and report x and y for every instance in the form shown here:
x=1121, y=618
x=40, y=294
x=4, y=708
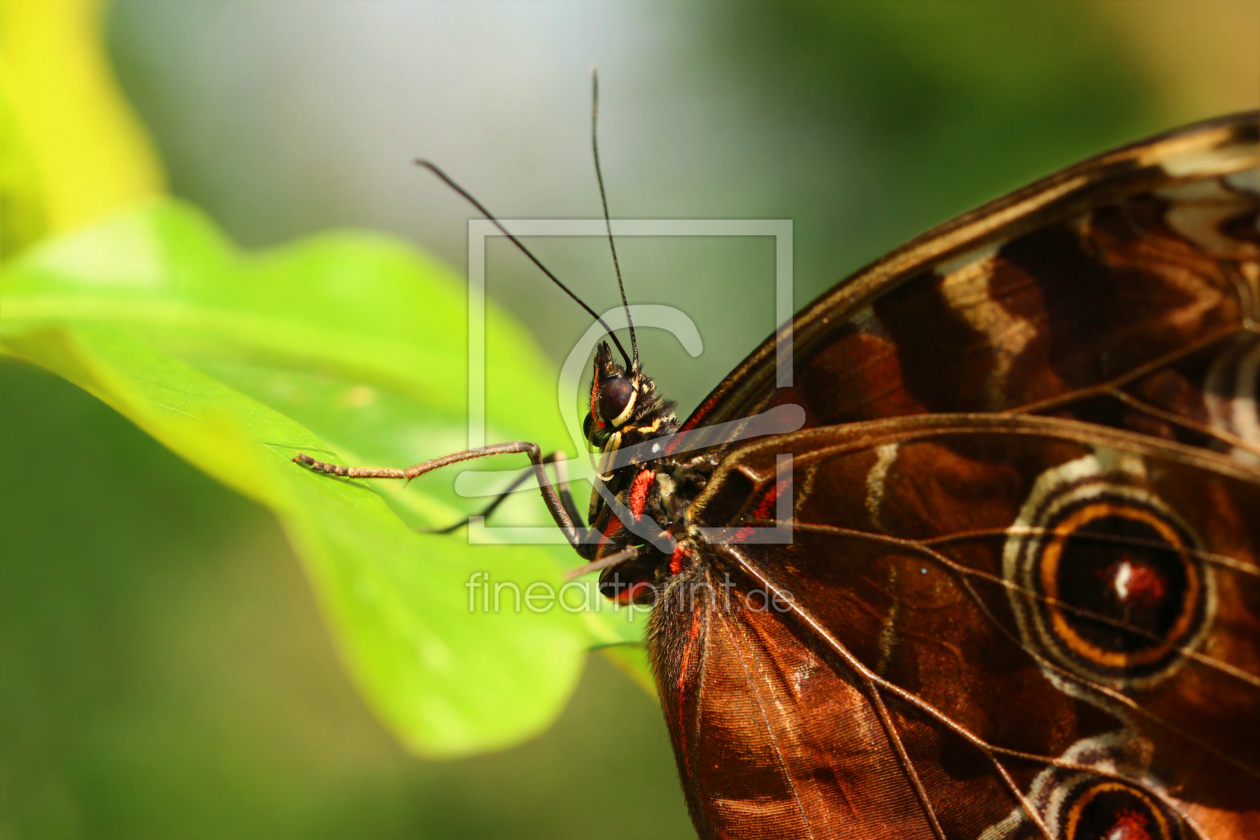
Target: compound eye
x=588, y=427
x=616, y=399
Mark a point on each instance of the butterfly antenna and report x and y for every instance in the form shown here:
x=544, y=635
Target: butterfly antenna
x=446, y=179
x=603, y=198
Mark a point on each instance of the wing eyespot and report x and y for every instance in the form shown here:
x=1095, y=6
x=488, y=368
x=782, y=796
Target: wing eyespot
x=1111, y=583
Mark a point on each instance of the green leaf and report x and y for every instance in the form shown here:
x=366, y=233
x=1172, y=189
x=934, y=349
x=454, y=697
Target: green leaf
x=351, y=347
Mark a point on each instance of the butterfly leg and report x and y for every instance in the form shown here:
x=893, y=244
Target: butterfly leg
x=562, y=486
x=565, y=516
x=489, y=509
x=566, y=494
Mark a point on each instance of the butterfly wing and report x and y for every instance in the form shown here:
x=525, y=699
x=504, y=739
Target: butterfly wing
x=984, y=626
x=937, y=675
x=1123, y=291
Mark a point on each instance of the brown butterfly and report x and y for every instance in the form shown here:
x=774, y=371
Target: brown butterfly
x=970, y=548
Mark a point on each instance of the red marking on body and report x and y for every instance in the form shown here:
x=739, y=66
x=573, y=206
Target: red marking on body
x=596, y=418
x=1131, y=825
x=675, y=559
x=765, y=509
x=639, y=492
x=682, y=685
x=609, y=537
x=638, y=501
x=631, y=592
x=614, y=529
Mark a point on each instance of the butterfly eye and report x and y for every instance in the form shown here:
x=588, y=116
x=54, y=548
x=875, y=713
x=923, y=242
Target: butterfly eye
x=616, y=399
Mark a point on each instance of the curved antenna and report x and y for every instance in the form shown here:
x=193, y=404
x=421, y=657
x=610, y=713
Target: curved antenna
x=603, y=199
x=446, y=179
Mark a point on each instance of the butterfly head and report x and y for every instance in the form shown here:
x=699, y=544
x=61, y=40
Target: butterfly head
x=622, y=400
x=615, y=394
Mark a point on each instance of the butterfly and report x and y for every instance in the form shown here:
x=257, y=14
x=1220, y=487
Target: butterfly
x=971, y=547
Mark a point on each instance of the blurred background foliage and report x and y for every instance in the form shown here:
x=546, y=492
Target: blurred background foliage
x=163, y=670
x=73, y=149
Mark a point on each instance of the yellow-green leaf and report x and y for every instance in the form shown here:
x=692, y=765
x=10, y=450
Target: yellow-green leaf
x=72, y=150
x=351, y=347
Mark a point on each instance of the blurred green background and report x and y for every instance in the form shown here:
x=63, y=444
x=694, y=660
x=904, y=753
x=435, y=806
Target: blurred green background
x=163, y=670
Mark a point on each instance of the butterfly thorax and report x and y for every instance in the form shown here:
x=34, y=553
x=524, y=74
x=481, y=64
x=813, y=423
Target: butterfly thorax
x=626, y=417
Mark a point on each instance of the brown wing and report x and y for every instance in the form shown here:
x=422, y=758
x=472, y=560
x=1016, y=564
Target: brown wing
x=984, y=626
x=1123, y=291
